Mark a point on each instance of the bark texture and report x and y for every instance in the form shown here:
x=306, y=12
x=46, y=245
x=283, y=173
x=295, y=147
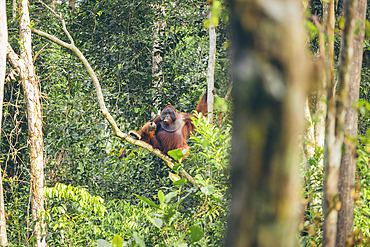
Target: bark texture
x=270, y=71
x=337, y=104
x=211, y=69
x=348, y=162
x=308, y=141
x=158, y=30
x=34, y=116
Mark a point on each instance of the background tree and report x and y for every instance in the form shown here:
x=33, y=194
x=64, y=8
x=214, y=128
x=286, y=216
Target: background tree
x=32, y=96
x=268, y=97
x=79, y=149
x=337, y=102
x=3, y=44
x=212, y=23
x=102, y=189
x=347, y=169
x=311, y=228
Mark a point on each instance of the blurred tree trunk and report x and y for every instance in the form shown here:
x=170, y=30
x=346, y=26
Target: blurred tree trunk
x=3, y=43
x=34, y=116
x=270, y=71
x=337, y=104
x=211, y=67
x=348, y=162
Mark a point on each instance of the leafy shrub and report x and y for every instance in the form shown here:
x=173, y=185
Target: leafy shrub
x=182, y=214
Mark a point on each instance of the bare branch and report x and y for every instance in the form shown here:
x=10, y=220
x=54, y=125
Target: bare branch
x=104, y=111
x=93, y=76
x=52, y=38
x=38, y=53
x=63, y=22
x=51, y=10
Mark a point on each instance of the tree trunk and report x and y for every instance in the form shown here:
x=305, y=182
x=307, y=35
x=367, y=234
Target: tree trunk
x=330, y=24
x=330, y=222
x=308, y=138
x=335, y=128
x=3, y=43
x=270, y=72
x=348, y=162
x=14, y=9
x=321, y=109
x=211, y=68
x=32, y=96
x=157, y=73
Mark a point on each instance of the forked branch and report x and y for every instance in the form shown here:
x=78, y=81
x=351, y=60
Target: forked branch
x=104, y=111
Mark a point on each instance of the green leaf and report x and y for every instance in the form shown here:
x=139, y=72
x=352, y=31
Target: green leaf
x=196, y=233
x=117, y=241
x=220, y=103
x=168, y=214
x=177, y=154
x=156, y=222
x=199, y=179
x=139, y=240
x=176, y=166
x=208, y=190
x=103, y=243
x=33, y=239
x=147, y=201
x=169, y=196
x=215, y=12
x=206, y=23
x=180, y=182
x=174, y=177
x=161, y=197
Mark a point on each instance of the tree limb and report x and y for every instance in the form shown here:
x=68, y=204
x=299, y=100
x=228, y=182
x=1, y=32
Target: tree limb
x=103, y=109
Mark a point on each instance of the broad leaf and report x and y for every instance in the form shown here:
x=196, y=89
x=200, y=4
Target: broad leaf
x=174, y=177
x=196, y=233
x=170, y=195
x=156, y=222
x=177, y=154
x=161, y=197
x=180, y=182
x=139, y=240
x=103, y=243
x=117, y=241
x=208, y=190
x=147, y=201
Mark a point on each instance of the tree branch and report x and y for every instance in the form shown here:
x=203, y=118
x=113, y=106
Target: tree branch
x=63, y=22
x=104, y=111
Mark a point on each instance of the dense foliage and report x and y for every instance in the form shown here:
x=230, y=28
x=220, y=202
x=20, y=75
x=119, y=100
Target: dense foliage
x=312, y=169
x=101, y=190
x=97, y=183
